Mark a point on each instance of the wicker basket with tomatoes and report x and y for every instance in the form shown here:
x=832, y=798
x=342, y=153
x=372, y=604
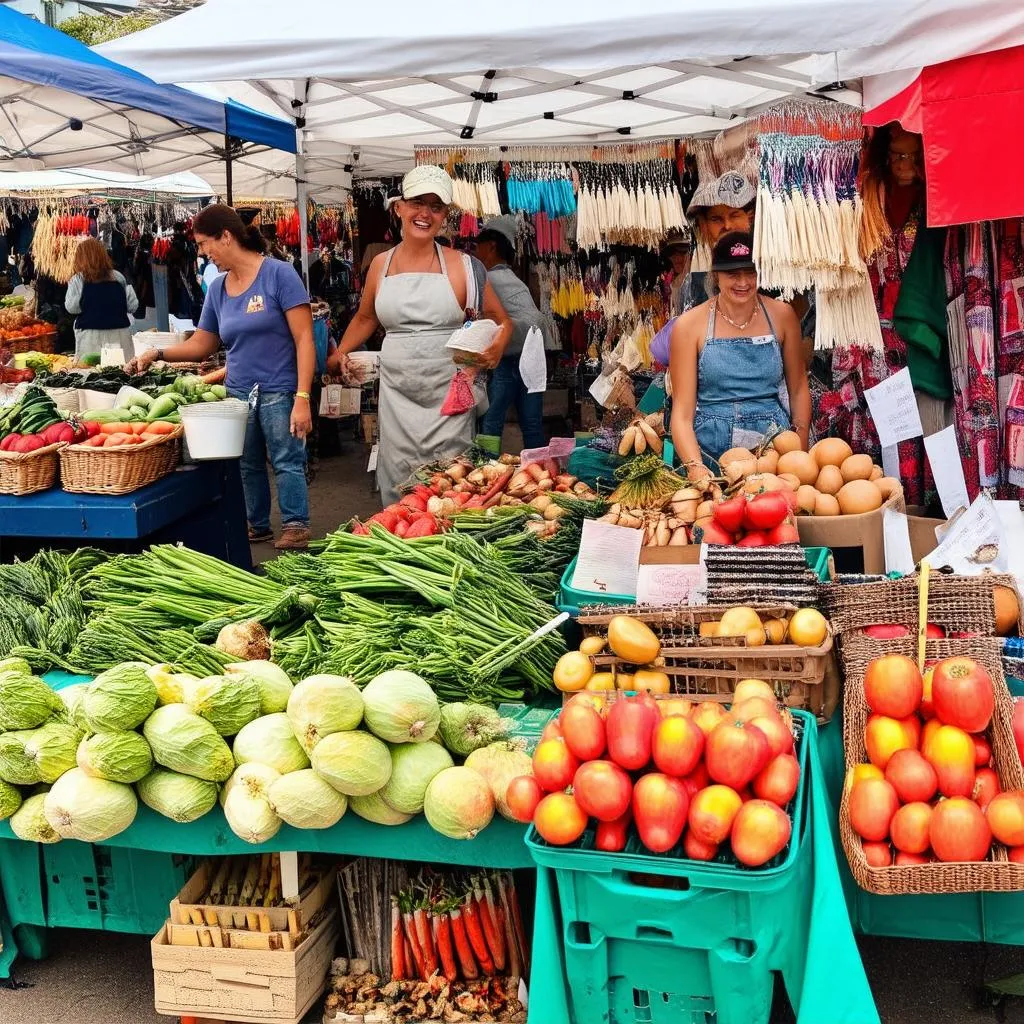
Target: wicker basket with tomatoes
x=934, y=796
x=121, y=457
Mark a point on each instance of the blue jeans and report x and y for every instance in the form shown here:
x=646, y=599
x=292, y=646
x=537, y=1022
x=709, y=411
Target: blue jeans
x=505, y=389
x=268, y=433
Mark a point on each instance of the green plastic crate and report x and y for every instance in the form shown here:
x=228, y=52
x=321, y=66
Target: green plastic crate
x=659, y=939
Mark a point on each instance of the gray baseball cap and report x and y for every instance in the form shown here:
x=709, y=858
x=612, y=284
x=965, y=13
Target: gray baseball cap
x=504, y=226
x=729, y=189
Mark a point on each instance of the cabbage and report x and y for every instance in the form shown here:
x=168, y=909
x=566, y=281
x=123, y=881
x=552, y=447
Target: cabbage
x=373, y=808
x=270, y=740
x=247, y=807
x=275, y=686
x=458, y=803
x=29, y=822
x=466, y=727
x=10, y=799
x=413, y=765
x=79, y=806
x=176, y=796
x=123, y=697
x=499, y=764
x=171, y=687
x=258, y=777
x=400, y=707
x=52, y=747
x=226, y=702
x=186, y=743
x=354, y=763
x=72, y=696
x=25, y=701
x=304, y=800
x=16, y=767
x=321, y=705
x=117, y=756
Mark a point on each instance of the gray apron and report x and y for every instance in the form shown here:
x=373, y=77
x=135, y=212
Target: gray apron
x=419, y=313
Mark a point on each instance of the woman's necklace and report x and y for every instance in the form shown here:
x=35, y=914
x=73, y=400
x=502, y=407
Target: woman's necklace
x=729, y=319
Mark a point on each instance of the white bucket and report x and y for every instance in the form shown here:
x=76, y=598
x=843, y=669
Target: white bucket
x=66, y=399
x=89, y=399
x=215, y=430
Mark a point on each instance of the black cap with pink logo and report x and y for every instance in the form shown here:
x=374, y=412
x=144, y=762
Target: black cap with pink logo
x=734, y=251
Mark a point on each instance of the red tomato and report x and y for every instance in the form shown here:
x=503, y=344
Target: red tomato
x=660, y=804
x=712, y=812
x=522, y=796
x=631, y=723
x=559, y=819
x=583, y=730
x=962, y=694
x=959, y=831
x=677, y=745
x=765, y=511
x=756, y=539
x=778, y=780
x=728, y=514
x=760, y=831
x=611, y=836
x=784, y=533
x=554, y=765
x=602, y=789
x=735, y=752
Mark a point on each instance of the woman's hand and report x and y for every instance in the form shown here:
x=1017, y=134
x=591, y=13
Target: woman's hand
x=141, y=363
x=490, y=357
x=302, y=417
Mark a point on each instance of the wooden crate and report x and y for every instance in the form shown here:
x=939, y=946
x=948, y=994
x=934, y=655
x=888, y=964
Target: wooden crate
x=244, y=985
x=290, y=919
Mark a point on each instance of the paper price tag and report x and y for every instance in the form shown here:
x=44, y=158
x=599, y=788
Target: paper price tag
x=608, y=559
x=894, y=409
x=669, y=584
x=948, y=470
x=891, y=461
x=371, y=466
x=975, y=542
x=899, y=556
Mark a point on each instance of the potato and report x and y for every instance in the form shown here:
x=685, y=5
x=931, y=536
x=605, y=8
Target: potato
x=826, y=505
x=801, y=464
x=830, y=480
x=831, y=451
x=787, y=441
x=857, y=467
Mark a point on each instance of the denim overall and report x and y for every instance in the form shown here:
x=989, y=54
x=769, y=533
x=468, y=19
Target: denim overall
x=740, y=387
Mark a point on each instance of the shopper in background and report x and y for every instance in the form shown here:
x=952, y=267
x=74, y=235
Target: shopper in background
x=142, y=273
x=496, y=250
x=738, y=370
x=181, y=275
x=102, y=300
x=420, y=292
x=259, y=310
x=677, y=250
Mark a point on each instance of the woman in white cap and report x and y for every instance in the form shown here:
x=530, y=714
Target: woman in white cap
x=420, y=292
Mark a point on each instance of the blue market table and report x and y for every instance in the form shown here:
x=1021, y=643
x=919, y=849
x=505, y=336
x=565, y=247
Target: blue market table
x=200, y=505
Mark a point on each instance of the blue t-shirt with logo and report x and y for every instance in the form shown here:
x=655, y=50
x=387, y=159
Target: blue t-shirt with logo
x=253, y=328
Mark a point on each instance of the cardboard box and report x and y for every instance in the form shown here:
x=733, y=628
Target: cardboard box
x=244, y=985
x=922, y=535
x=857, y=542
x=369, y=425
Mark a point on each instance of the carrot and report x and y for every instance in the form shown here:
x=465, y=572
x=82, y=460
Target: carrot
x=485, y=901
x=417, y=953
x=442, y=928
x=476, y=936
x=159, y=427
x=137, y=428
x=462, y=947
x=398, y=972
x=214, y=376
x=426, y=941
x=115, y=440
x=517, y=920
x=114, y=428
x=494, y=493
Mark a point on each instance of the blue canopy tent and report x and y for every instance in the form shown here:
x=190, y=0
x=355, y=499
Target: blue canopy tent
x=64, y=105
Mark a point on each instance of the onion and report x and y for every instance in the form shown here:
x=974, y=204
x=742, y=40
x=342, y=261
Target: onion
x=247, y=641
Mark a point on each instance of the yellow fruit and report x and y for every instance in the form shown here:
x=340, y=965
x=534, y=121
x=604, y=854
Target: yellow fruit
x=709, y=629
x=768, y=462
x=830, y=480
x=601, y=681
x=623, y=681
x=791, y=480
x=652, y=682
x=632, y=640
x=573, y=671
x=826, y=505
x=859, y=496
x=755, y=637
x=888, y=486
x=857, y=467
x=806, y=498
x=775, y=630
x=831, y=451
x=876, y=474
x=739, y=621
x=734, y=455
x=800, y=464
x=747, y=688
x=1007, y=610
x=592, y=645
x=787, y=441
x=808, y=628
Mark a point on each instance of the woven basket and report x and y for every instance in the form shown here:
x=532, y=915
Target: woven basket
x=997, y=874
x=28, y=472
x=45, y=343
x=709, y=669
x=66, y=399
x=961, y=604
x=120, y=470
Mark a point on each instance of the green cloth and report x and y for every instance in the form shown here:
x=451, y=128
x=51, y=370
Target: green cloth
x=920, y=315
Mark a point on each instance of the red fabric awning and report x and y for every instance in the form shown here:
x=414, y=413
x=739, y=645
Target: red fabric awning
x=969, y=112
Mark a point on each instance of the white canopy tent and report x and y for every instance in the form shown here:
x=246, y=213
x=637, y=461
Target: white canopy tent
x=77, y=181
x=374, y=85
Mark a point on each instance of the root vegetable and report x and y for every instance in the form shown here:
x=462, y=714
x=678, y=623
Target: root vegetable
x=656, y=420
x=650, y=436
x=457, y=470
x=738, y=469
x=685, y=510
x=735, y=455
x=553, y=512
x=662, y=534
x=546, y=484
x=434, y=506
x=639, y=441
x=581, y=488
x=564, y=480
x=541, y=502
x=679, y=538
x=477, y=478
x=705, y=509
x=628, y=440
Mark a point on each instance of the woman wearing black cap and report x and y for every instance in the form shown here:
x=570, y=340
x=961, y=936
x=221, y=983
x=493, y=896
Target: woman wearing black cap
x=737, y=365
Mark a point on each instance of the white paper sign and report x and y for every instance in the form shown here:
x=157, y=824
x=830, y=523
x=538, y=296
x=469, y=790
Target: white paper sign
x=948, y=470
x=963, y=547
x=1011, y=518
x=371, y=466
x=669, y=584
x=899, y=556
x=601, y=389
x=608, y=560
x=894, y=409
x=891, y=461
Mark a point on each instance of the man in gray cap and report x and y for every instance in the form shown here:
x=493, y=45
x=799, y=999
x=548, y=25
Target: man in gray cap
x=496, y=250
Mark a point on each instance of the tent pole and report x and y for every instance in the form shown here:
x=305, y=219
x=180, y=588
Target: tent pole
x=301, y=199
x=228, y=173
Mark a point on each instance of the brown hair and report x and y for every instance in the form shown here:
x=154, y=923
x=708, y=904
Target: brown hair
x=93, y=261
x=214, y=220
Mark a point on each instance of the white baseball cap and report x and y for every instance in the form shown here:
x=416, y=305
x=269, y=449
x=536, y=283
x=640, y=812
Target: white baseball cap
x=730, y=189
x=427, y=180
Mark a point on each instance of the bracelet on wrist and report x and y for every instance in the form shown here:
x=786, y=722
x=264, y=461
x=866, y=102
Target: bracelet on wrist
x=302, y=394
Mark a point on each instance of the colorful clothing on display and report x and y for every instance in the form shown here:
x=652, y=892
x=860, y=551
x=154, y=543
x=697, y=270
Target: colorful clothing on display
x=1010, y=352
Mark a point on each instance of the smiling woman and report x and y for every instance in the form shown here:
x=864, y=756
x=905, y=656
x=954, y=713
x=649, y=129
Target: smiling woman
x=419, y=292
x=737, y=364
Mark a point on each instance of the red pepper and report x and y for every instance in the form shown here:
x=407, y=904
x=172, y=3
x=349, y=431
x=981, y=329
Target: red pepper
x=360, y=530
x=28, y=443
x=402, y=528
x=414, y=501
x=10, y=439
x=425, y=527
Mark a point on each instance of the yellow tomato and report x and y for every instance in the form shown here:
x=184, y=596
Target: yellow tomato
x=592, y=645
x=632, y=640
x=652, y=682
x=573, y=672
x=601, y=681
x=776, y=630
x=808, y=628
x=623, y=681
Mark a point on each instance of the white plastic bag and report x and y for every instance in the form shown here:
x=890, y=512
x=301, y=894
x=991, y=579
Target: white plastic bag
x=533, y=366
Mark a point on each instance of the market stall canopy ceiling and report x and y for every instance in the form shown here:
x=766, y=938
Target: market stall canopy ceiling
x=62, y=104
x=538, y=72
x=77, y=181
x=977, y=97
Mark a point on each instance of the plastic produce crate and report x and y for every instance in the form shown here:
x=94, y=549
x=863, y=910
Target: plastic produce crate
x=659, y=939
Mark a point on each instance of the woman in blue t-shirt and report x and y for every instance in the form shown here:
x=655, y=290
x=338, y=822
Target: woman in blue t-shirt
x=259, y=311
